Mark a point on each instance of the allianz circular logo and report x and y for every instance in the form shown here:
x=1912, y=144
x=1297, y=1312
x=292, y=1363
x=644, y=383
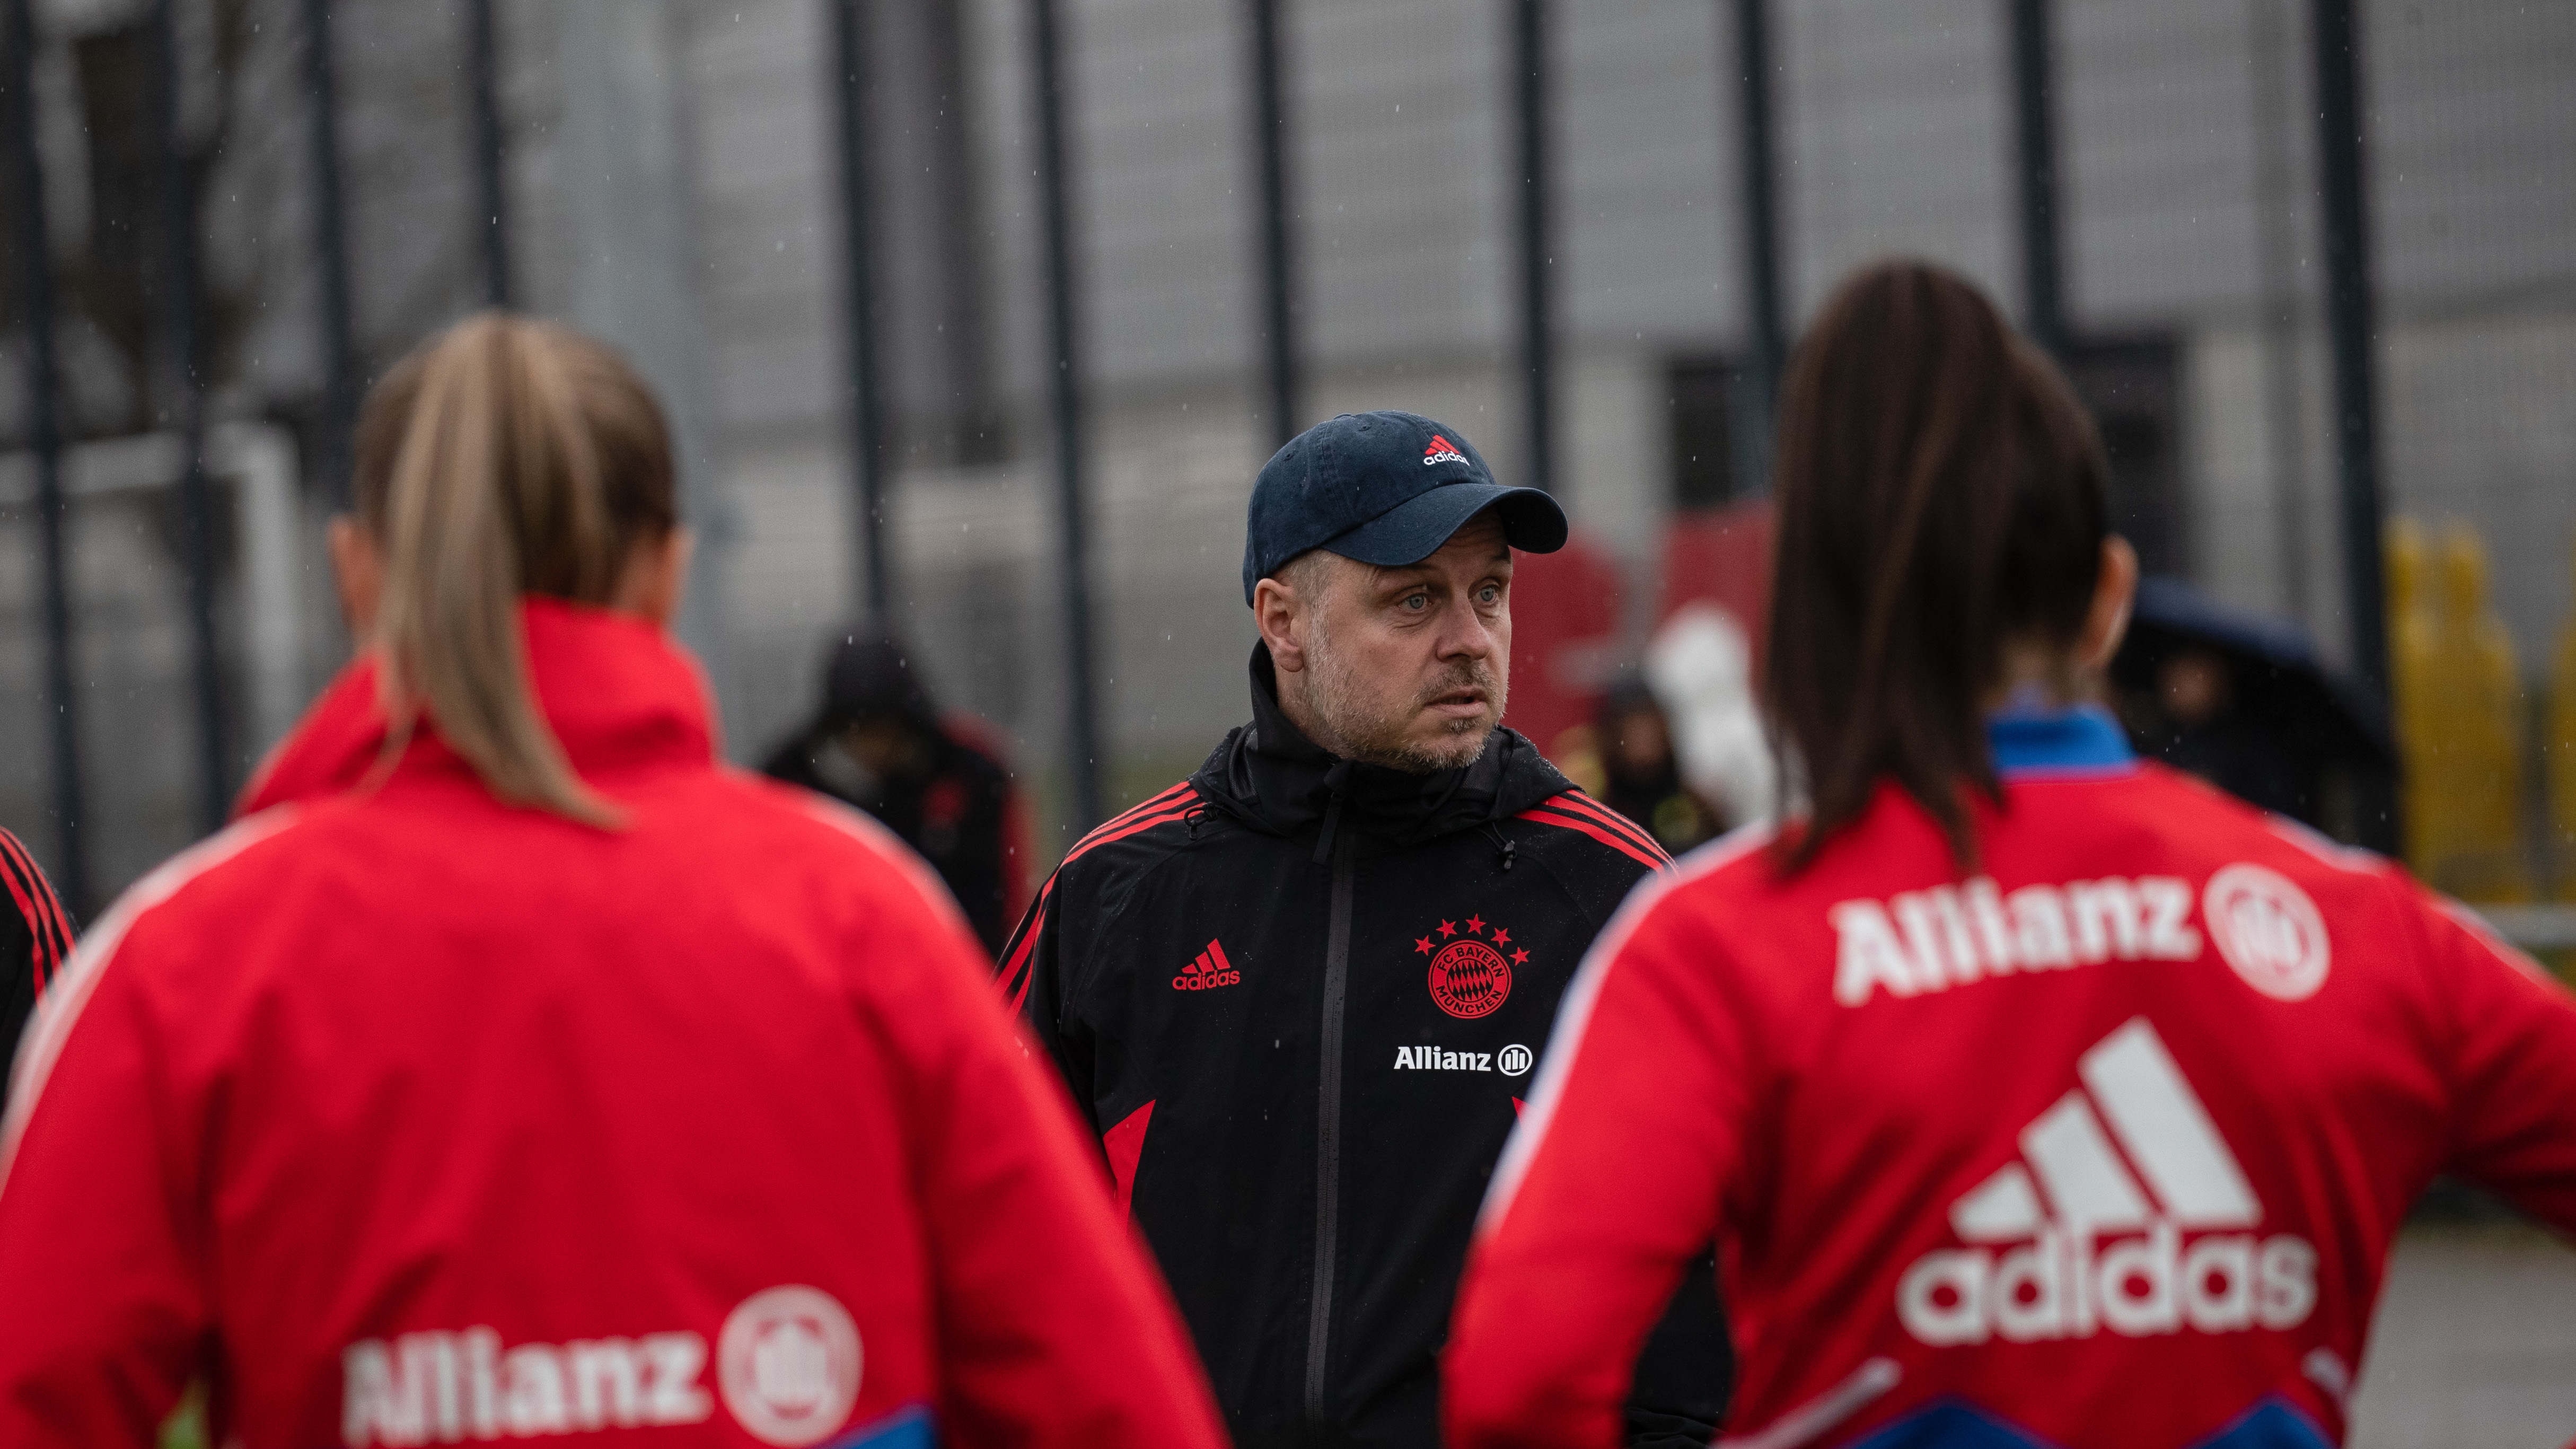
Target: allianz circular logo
x=1514, y=1060
x=788, y=1363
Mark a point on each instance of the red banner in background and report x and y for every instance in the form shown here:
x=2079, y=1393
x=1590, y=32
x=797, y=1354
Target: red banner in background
x=1723, y=557
x=1565, y=638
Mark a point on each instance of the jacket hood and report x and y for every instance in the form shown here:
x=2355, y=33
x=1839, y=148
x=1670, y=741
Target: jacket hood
x=1271, y=777
x=617, y=691
x=869, y=676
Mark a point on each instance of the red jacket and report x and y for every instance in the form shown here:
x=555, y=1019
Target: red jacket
x=2103, y=1144
x=406, y=1117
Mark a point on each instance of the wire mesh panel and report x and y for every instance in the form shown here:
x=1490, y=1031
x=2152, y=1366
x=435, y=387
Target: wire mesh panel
x=685, y=156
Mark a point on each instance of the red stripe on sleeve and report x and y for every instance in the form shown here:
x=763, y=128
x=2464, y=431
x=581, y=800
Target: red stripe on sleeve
x=1577, y=803
x=47, y=927
x=1615, y=841
x=1172, y=804
x=1150, y=802
x=1017, y=972
x=1107, y=834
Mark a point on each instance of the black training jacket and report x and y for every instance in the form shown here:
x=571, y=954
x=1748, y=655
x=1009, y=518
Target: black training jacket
x=35, y=941
x=1300, y=1000
x=956, y=812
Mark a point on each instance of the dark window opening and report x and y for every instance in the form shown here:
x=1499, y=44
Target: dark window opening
x=2131, y=385
x=1700, y=411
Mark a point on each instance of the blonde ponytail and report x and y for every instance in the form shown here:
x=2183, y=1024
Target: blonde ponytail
x=504, y=457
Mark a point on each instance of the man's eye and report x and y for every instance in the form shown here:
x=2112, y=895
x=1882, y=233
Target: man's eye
x=1416, y=602
x=1488, y=594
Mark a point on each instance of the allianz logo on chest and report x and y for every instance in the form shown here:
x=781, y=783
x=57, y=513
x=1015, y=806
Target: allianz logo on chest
x=1929, y=941
x=1512, y=1061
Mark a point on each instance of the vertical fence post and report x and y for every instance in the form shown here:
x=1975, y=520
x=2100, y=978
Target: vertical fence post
x=1270, y=125
x=867, y=406
x=2035, y=114
x=1082, y=767
x=71, y=859
x=1758, y=382
x=484, y=61
x=188, y=402
x=1530, y=91
x=331, y=249
x=2350, y=326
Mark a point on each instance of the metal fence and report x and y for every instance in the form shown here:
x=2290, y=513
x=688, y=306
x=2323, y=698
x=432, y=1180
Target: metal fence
x=909, y=269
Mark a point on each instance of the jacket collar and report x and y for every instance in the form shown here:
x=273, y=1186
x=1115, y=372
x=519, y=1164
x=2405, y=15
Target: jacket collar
x=2082, y=740
x=1270, y=776
x=619, y=693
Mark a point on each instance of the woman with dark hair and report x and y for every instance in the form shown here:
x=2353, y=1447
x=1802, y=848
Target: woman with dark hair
x=2034, y=1095
x=518, y=1071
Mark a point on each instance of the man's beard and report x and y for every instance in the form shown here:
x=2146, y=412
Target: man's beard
x=1366, y=731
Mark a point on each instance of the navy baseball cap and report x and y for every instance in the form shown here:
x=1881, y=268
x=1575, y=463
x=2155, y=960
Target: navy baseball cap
x=1385, y=489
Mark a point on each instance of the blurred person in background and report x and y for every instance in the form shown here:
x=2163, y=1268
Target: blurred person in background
x=35, y=940
x=519, y=1071
x=1299, y=994
x=1643, y=777
x=2036, y=1095
x=2242, y=700
x=878, y=743
x=2209, y=736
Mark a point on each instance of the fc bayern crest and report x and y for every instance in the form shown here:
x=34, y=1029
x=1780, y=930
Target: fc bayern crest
x=1470, y=975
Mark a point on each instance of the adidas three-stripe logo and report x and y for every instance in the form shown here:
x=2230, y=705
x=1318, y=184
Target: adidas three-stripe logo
x=1209, y=971
x=2129, y=1151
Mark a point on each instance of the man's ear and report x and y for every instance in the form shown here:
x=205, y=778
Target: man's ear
x=358, y=569
x=2115, y=592
x=1281, y=617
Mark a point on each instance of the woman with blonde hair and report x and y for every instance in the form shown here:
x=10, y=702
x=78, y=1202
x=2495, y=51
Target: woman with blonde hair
x=515, y=1070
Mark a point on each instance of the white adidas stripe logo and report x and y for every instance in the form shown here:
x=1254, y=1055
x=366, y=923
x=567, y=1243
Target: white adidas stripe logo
x=2134, y=1117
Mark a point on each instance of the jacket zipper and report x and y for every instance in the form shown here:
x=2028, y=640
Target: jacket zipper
x=1328, y=1129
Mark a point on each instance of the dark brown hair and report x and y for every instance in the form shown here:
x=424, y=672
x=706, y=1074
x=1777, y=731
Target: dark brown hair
x=1940, y=494
x=502, y=457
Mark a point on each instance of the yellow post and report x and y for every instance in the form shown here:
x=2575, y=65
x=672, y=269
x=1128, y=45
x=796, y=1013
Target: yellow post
x=2562, y=760
x=2463, y=734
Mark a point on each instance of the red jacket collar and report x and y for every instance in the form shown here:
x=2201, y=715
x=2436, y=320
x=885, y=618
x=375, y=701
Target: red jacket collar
x=617, y=690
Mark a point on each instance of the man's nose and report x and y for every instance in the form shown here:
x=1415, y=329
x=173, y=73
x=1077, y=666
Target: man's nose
x=1465, y=634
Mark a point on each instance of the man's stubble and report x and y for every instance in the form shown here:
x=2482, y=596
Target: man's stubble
x=1363, y=730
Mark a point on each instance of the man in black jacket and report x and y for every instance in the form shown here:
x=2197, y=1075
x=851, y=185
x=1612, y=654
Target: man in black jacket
x=1301, y=993
x=35, y=941
x=881, y=745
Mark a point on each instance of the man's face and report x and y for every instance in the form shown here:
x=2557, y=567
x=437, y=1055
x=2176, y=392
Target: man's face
x=1640, y=745
x=1408, y=667
x=887, y=747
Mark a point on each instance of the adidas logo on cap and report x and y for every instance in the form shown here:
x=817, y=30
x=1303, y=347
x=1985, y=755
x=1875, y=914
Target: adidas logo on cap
x=2131, y=1151
x=1441, y=451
